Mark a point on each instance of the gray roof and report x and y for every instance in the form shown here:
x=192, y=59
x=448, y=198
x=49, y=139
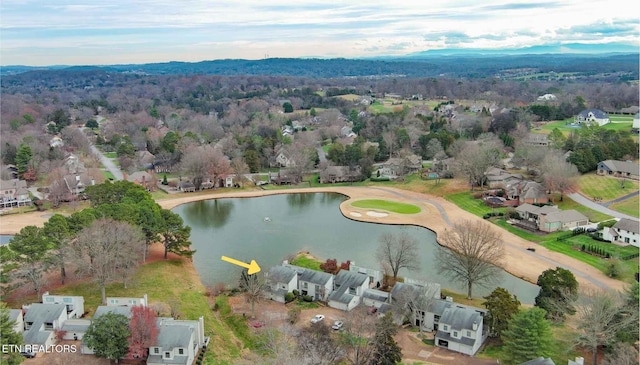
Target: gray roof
x=628, y=225
x=35, y=336
x=539, y=361
x=14, y=314
x=12, y=184
x=532, y=189
x=596, y=113
x=534, y=209
x=566, y=216
x=311, y=276
x=377, y=295
x=621, y=166
x=460, y=317
x=172, y=336
x=281, y=274
x=40, y=312
x=72, y=326
x=345, y=280
x=447, y=337
x=104, y=309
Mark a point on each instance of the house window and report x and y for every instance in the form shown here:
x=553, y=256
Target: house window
x=445, y=327
x=626, y=240
x=352, y=291
x=132, y=301
x=156, y=350
x=455, y=333
x=114, y=301
x=50, y=299
x=67, y=300
x=468, y=333
x=317, y=288
x=181, y=351
x=305, y=285
x=167, y=355
x=48, y=325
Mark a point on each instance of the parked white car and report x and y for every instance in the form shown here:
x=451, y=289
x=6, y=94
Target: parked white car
x=317, y=318
x=337, y=325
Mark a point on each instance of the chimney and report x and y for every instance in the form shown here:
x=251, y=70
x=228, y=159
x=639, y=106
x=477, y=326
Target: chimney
x=475, y=325
x=93, y=182
x=77, y=178
x=580, y=360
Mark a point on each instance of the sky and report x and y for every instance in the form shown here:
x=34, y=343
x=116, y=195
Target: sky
x=64, y=32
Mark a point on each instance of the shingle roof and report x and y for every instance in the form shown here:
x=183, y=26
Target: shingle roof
x=345, y=280
x=281, y=274
x=622, y=166
x=311, y=276
x=628, y=225
x=14, y=314
x=566, y=216
x=44, y=312
x=534, y=209
x=596, y=113
x=104, y=309
x=377, y=295
x=172, y=335
x=459, y=317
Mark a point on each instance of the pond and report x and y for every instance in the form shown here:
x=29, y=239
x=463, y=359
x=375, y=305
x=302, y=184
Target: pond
x=238, y=228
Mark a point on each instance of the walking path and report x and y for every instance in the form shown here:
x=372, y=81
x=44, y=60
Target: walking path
x=582, y=200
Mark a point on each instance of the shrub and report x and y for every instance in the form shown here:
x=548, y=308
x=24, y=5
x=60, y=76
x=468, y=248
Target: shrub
x=296, y=293
x=289, y=297
x=293, y=315
x=307, y=298
x=614, y=268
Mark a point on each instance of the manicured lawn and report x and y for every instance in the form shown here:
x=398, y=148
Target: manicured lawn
x=630, y=206
x=604, y=187
x=622, y=122
x=111, y=154
x=108, y=175
x=476, y=206
x=391, y=206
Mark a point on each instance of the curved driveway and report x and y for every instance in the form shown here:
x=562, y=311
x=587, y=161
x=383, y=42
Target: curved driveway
x=582, y=200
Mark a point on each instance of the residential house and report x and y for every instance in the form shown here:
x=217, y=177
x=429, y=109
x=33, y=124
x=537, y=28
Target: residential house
x=17, y=317
x=75, y=329
x=145, y=159
x=178, y=342
x=592, y=116
x=547, y=97
x=461, y=329
x=375, y=276
x=55, y=142
x=297, y=125
x=532, y=213
x=338, y=174
x=146, y=179
x=281, y=280
x=127, y=302
x=74, y=304
x=14, y=193
x=562, y=220
x=287, y=130
x=73, y=164
x=347, y=132
x=283, y=177
x=374, y=298
x=527, y=192
x=400, y=166
x=422, y=297
x=537, y=139
x=316, y=284
x=77, y=183
x=624, y=231
x=100, y=311
x=618, y=168
x=186, y=187
x=40, y=322
x=283, y=159
x=348, y=290
x=499, y=178
x=12, y=171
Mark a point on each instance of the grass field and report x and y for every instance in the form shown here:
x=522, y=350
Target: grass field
x=111, y=155
x=621, y=122
x=466, y=201
x=307, y=262
x=630, y=206
x=568, y=203
x=390, y=206
x=604, y=187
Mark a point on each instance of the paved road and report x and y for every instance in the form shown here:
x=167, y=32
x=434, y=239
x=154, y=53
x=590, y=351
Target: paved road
x=321, y=155
x=108, y=164
x=582, y=200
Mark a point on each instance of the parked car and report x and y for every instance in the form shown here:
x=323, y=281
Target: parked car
x=592, y=230
x=337, y=325
x=28, y=354
x=317, y=318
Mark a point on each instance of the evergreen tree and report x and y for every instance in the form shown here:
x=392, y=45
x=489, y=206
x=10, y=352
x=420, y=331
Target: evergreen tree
x=23, y=157
x=8, y=337
x=558, y=291
x=502, y=307
x=528, y=336
x=386, y=350
x=108, y=336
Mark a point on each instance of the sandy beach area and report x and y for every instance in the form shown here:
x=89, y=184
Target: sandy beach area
x=436, y=214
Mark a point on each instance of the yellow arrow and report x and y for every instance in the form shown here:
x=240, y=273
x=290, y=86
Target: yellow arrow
x=253, y=266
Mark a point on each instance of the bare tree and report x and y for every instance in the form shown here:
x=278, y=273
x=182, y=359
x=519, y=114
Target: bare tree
x=240, y=168
x=559, y=175
x=316, y=346
x=474, y=251
x=398, y=251
x=279, y=345
x=602, y=315
x=219, y=164
x=301, y=157
x=474, y=160
x=195, y=164
x=107, y=248
x=253, y=285
x=358, y=334
x=412, y=301
x=622, y=354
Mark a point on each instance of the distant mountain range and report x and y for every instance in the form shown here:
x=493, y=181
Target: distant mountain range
x=471, y=63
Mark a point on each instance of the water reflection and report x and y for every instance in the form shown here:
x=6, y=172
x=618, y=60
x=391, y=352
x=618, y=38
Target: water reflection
x=208, y=213
x=300, y=201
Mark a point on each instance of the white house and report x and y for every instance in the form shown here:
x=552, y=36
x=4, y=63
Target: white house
x=178, y=342
x=375, y=276
x=75, y=329
x=281, y=280
x=592, y=116
x=74, y=304
x=129, y=302
x=461, y=329
x=624, y=231
x=316, y=284
x=348, y=290
x=40, y=322
x=422, y=296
